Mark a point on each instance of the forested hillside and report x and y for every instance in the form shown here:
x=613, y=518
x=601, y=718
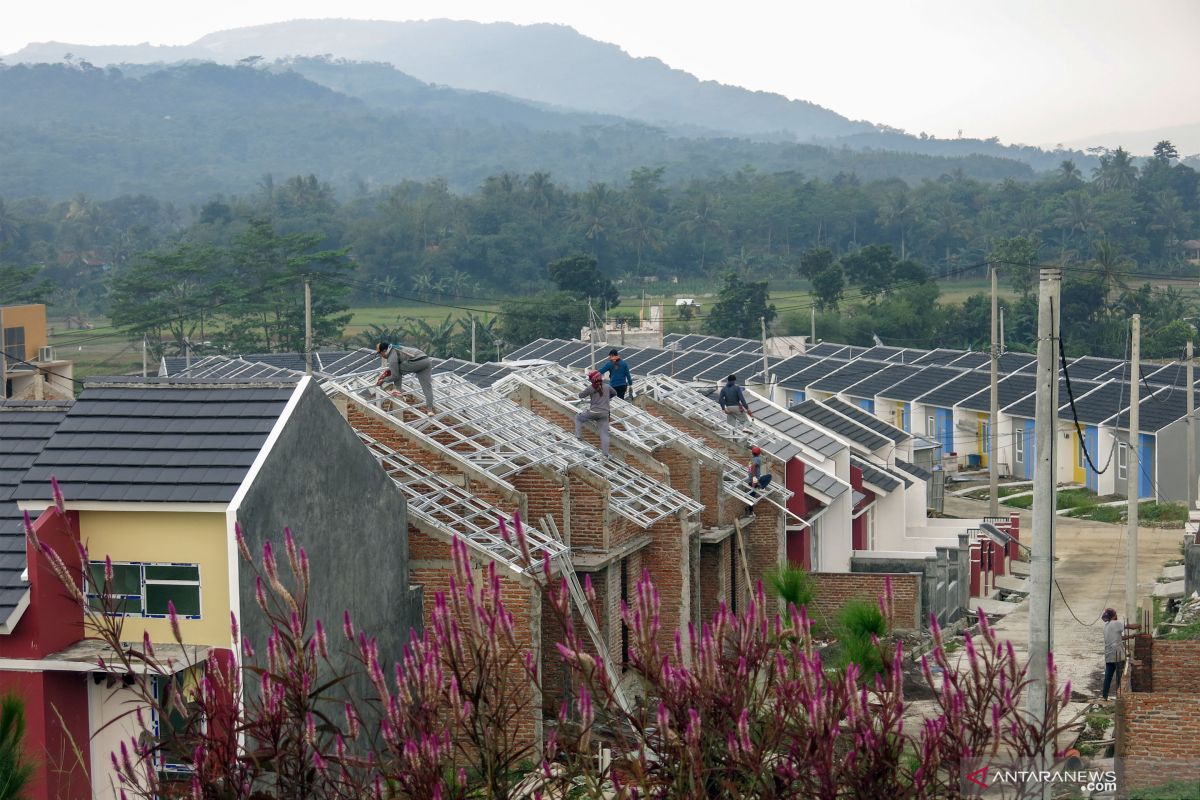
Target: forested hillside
x=186, y=132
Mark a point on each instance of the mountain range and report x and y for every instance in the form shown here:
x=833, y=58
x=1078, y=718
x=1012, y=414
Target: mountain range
x=548, y=65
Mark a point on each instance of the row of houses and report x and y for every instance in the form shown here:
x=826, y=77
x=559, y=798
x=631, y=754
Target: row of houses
x=157, y=473
x=943, y=395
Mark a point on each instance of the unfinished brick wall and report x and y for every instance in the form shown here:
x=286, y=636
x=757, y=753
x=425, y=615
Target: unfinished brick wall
x=667, y=560
x=714, y=578
x=431, y=565
x=765, y=543
x=543, y=496
x=1173, y=666
x=835, y=588
x=1156, y=741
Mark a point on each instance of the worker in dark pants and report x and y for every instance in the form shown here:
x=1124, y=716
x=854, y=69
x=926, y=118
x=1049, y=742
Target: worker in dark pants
x=733, y=402
x=1114, y=649
x=618, y=374
x=757, y=479
x=599, y=396
x=406, y=359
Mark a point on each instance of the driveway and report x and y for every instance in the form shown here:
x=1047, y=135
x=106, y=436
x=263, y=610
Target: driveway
x=1091, y=574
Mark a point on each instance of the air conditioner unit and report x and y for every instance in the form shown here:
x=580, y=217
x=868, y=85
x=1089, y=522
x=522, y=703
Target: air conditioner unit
x=46, y=353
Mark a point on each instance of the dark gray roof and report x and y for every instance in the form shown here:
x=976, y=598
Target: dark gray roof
x=877, y=383
x=830, y=420
x=848, y=375
x=25, y=427
x=868, y=420
x=912, y=469
x=1013, y=361
x=939, y=357
x=1156, y=411
x=823, y=482
x=1097, y=405
x=956, y=390
x=158, y=440
x=1026, y=407
x=1009, y=389
x=1169, y=375
x=1092, y=367
x=792, y=426
x=713, y=344
x=479, y=374
x=814, y=372
x=971, y=360
x=876, y=476
x=913, y=387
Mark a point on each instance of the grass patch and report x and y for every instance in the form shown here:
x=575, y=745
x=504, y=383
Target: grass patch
x=1151, y=511
x=1187, y=633
x=1025, y=501
x=1098, y=513
x=1165, y=791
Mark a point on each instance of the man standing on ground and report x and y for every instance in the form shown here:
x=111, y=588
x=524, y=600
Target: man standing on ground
x=757, y=479
x=1114, y=649
x=599, y=396
x=618, y=374
x=733, y=403
x=406, y=359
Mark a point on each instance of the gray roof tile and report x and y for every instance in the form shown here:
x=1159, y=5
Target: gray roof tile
x=827, y=418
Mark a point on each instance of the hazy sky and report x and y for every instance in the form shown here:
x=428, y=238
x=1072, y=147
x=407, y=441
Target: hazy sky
x=1032, y=71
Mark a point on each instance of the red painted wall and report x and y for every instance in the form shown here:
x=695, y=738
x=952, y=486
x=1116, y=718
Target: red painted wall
x=54, y=619
x=56, y=703
x=793, y=474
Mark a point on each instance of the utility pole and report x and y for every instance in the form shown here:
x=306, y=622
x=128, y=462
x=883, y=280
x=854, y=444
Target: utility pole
x=591, y=332
x=3, y=359
x=187, y=353
x=1041, y=567
x=143, y=355
x=812, y=324
x=1002, y=350
x=766, y=378
x=1133, y=467
x=1191, y=430
x=994, y=408
x=307, y=327
x=473, y=360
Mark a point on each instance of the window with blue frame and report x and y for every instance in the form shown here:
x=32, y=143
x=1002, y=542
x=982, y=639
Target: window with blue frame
x=141, y=589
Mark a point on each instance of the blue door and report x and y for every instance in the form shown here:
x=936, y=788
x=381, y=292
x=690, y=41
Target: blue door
x=1146, y=466
x=867, y=406
x=906, y=417
x=1091, y=440
x=945, y=426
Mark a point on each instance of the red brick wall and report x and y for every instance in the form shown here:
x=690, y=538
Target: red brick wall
x=714, y=578
x=764, y=541
x=667, y=560
x=835, y=588
x=1174, y=666
x=1156, y=739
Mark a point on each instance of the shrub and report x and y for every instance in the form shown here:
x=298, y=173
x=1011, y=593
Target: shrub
x=861, y=625
x=15, y=770
x=793, y=584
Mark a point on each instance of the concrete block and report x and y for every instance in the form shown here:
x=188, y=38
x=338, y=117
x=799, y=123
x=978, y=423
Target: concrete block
x=1168, y=590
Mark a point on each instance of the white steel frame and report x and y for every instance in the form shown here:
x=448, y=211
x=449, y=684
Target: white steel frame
x=637, y=427
x=503, y=438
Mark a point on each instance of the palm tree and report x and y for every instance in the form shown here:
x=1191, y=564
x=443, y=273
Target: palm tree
x=1110, y=266
x=645, y=234
x=898, y=209
x=1116, y=171
x=541, y=194
x=16, y=771
x=592, y=215
x=1170, y=217
x=1069, y=173
x=1074, y=216
x=702, y=222
x=433, y=338
x=374, y=334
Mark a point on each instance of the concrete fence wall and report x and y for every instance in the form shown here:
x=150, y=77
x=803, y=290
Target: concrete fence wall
x=945, y=578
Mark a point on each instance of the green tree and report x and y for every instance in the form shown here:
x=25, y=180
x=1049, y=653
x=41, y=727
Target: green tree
x=739, y=307
x=872, y=269
x=167, y=297
x=1017, y=259
x=549, y=315
x=580, y=275
x=21, y=285
x=828, y=287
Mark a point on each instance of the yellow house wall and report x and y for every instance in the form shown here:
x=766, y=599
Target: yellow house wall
x=981, y=427
x=1079, y=472
x=180, y=537
x=33, y=319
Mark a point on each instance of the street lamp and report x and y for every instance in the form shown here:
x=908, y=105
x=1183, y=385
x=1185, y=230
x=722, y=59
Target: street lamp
x=1000, y=537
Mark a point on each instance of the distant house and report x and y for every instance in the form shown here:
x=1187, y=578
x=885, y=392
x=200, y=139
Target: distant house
x=156, y=473
x=33, y=372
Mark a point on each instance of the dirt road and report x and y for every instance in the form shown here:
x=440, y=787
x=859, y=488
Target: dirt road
x=1091, y=574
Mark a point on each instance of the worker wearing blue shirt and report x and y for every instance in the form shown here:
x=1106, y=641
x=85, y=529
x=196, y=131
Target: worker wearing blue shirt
x=618, y=374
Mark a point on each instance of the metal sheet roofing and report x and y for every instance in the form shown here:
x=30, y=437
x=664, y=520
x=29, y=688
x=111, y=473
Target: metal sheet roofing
x=939, y=357
x=1091, y=367
x=919, y=473
x=1098, y=405
x=25, y=427
x=830, y=420
x=971, y=360
x=157, y=440
x=1158, y=410
x=868, y=420
x=875, y=384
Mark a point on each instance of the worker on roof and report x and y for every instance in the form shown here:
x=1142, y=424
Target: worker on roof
x=618, y=374
x=733, y=403
x=599, y=396
x=402, y=359
x=756, y=478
